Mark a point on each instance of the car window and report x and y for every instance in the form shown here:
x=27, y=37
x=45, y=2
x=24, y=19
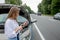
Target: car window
x=3, y=17
x=19, y=18
x=58, y=14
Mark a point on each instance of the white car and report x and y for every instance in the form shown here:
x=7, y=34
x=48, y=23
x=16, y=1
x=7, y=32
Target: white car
x=57, y=16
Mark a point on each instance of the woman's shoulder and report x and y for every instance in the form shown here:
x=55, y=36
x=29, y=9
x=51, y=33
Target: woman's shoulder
x=9, y=20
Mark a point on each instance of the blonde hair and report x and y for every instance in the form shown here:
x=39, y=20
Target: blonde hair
x=13, y=12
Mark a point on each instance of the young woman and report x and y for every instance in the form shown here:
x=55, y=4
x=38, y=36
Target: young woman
x=12, y=28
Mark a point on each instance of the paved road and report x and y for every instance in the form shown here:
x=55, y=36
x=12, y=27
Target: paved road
x=2, y=35
x=49, y=27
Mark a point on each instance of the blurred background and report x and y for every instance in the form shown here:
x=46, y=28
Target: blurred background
x=47, y=13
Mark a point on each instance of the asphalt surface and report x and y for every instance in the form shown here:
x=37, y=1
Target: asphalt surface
x=2, y=35
x=49, y=27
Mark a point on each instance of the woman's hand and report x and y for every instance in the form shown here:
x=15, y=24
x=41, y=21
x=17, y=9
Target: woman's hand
x=26, y=23
x=20, y=28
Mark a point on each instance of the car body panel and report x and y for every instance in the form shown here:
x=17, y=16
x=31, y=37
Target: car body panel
x=57, y=16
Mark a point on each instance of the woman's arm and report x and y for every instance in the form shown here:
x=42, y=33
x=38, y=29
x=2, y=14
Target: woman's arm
x=18, y=28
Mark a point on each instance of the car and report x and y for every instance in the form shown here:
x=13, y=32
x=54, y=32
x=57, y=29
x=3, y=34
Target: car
x=23, y=16
x=57, y=16
x=39, y=13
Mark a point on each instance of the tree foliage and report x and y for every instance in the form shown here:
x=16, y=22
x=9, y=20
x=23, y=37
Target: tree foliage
x=49, y=6
x=27, y=8
x=16, y=2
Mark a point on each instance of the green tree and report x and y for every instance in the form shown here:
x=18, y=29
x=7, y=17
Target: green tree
x=16, y=2
x=55, y=6
x=44, y=6
x=28, y=9
x=49, y=7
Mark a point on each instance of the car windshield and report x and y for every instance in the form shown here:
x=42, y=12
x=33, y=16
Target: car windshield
x=19, y=18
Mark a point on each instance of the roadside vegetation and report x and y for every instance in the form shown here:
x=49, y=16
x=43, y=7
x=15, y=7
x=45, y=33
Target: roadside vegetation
x=49, y=7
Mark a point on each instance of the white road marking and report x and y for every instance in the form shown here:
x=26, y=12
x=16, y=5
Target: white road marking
x=42, y=37
x=40, y=34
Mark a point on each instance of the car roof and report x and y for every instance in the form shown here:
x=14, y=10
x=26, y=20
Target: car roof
x=7, y=5
x=58, y=13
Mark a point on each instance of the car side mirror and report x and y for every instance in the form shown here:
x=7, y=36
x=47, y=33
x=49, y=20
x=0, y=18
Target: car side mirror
x=33, y=21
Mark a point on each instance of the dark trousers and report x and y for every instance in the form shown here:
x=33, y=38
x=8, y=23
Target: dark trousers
x=18, y=36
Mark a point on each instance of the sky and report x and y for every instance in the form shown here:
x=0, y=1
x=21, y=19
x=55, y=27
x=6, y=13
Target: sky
x=2, y=1
x=31, y=3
